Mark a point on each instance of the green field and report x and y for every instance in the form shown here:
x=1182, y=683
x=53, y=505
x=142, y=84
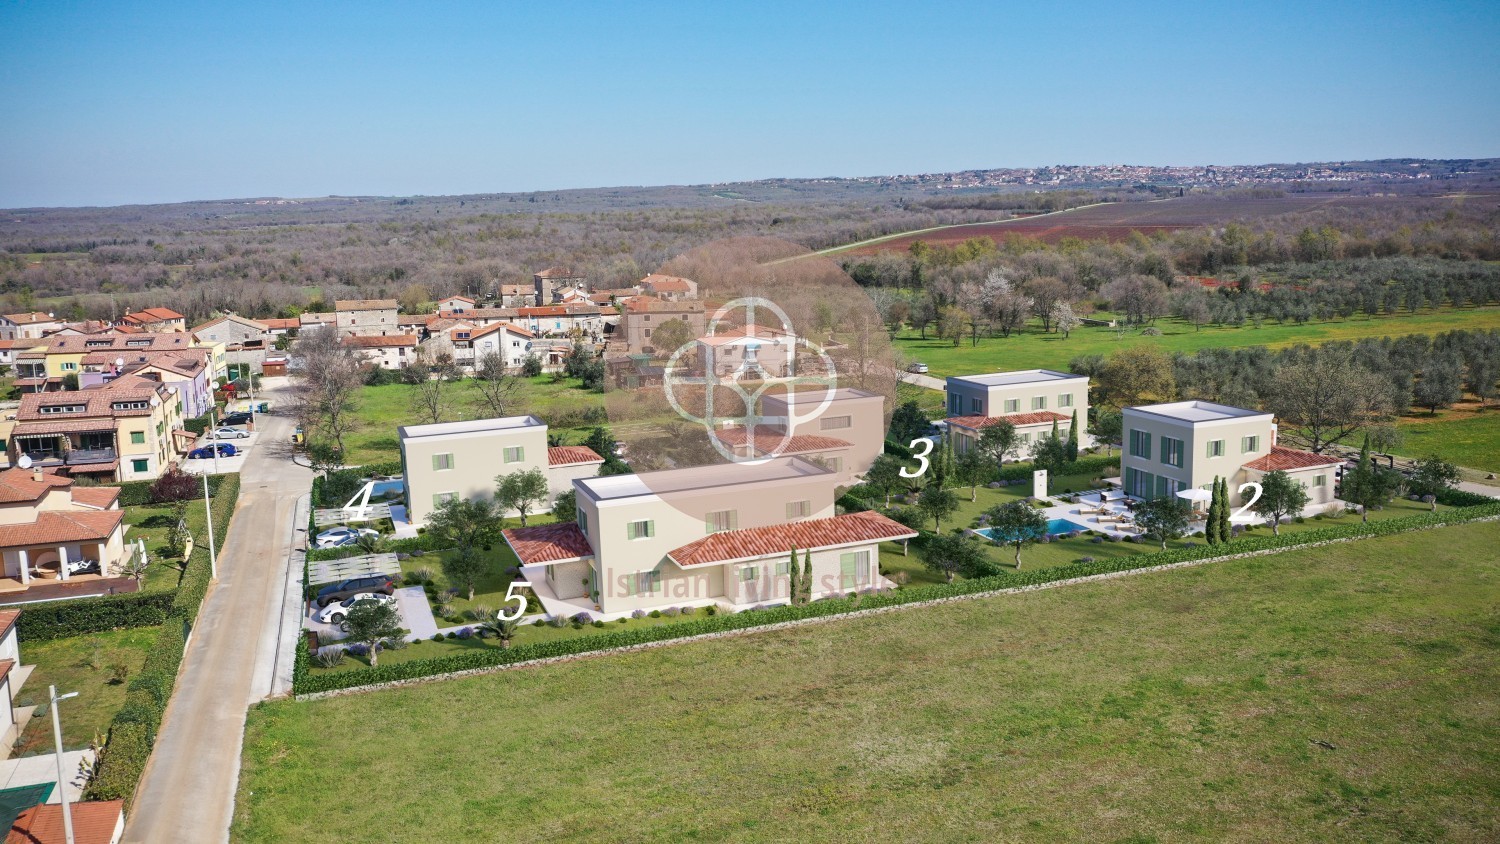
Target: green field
x=152, y=523
x=1033, y=349
x=1344, y=693
x=1463, y=435
x=82, y=664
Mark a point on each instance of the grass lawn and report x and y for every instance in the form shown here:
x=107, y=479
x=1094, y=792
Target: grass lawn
x=383, y=409
x=152, y=522
x=80, y=664
x=1463, y=435
x=1180, y=705
x=1032, y=349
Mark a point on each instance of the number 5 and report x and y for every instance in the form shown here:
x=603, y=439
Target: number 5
x=512, y=595
x=921, y=456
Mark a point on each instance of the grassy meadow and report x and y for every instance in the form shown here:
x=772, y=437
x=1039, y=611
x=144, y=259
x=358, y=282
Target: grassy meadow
x=1344, y=693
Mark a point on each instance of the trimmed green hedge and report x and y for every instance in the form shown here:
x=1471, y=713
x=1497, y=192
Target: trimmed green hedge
x=305, y=682
x=61, y=619
x=132, y=733
x=1086, y=465
x=137, y=493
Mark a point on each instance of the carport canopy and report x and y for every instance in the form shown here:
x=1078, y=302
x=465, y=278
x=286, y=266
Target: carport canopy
x=332, y=571
x=344, y=515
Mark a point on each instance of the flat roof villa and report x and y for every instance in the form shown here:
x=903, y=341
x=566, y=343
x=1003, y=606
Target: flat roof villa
x=1033, y=400
x=720, y=535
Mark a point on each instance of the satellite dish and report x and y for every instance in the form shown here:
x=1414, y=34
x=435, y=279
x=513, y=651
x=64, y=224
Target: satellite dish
x=24, y=462
x=155, y=401
x=119, y=363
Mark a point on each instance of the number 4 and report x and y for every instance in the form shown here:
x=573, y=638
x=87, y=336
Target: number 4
x=512, y=595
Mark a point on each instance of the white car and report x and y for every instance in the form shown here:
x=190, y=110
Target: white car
x=918, y=368
x=340, y=537
x=228, y=434
x=334, y=613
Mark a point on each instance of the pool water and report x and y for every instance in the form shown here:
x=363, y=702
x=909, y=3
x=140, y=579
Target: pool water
x=383, y=487
x=1054, y=528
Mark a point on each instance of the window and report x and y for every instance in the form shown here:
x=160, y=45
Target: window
x=137, y=437
x=1024, y=438
x=1012, y=405
x=721, y=520
x=130, y=405
x=976, y=406
x=69, y=366
x=854, y=569
x=439, y=498
x=515, y=454
x=784, y=568
x=1249, y=444
x=1171, y=451
x=954, y=403
x=442, y=462
x=583, y=523
x=1065, y=400
x=834, y=422
x=1320, y=480
x=643, y=529
x=60, y=408
x=1140, y=443
x=140, y=465
x=1038, y=402
x=1215, y=448
x=798, y=509
x=645, y=582
x=748, y=573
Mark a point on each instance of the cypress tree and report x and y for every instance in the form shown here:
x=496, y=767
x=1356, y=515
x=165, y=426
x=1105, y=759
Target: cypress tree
x=807, y=574
x=794, y=585
x=1073, y=439
x=1225, y=534
x=1211, y=523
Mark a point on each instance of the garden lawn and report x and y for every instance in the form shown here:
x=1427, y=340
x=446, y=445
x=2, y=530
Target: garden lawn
x=152, y=522
x=1465, y=436
x=385, y=408
x=80, y=664
x=489, y=591
x=1033, y=349
x=1344, y=693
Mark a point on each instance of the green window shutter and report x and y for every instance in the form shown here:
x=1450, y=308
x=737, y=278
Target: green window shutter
x=141, y=465
x=138, y=437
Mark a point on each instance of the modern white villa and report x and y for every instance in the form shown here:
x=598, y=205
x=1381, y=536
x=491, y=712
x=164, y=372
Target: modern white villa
x=1030, y=399
x=718, y=535
x=1186, y=444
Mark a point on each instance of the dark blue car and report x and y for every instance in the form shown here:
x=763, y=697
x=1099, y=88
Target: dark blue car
x=207, y=452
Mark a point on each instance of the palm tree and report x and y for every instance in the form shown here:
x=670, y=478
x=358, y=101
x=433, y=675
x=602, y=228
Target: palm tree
x=503, y=629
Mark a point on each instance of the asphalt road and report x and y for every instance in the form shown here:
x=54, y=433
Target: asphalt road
x=187, y=793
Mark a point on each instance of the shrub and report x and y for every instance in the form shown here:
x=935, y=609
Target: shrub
x=638, y=614
x=359, y=649
x=175, y=485
x=1301, y=519
x=329, y=658
x=687, y=610
x=622, y=620
x=1097, y=540
x=711, y=609
x=655, y=613
x=1085, y=560
x=450, y=635
x=583, y=618
x=465, y=632
x=557, y=622
x=1335, y=512
x=437, y=637
x=598, y=623
x=670, y=612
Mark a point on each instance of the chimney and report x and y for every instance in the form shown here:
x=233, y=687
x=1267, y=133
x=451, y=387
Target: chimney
x=36, y=474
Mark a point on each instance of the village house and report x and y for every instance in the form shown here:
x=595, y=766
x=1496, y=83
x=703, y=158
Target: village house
x=561, y=320
x=511, y=342
x=50, y=528
x=1032, y=400
x=721, y=535
x=669, y=288
x=517, y=295
x=387, y=351
x=246, y=341
x=184, y=371
x=33, y=325
x=548, y=284
x=640, y=315
x=366, y=317
x=127, y=429
x=155, y=320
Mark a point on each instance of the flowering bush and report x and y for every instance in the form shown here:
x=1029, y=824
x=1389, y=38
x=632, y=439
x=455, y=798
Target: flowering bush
x=465, y=632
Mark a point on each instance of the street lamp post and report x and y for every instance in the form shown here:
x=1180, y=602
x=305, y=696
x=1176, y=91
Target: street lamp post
x=208, y=512
x=62, y=791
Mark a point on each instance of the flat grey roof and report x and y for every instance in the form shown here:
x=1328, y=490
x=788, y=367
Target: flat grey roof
x=473, y=426
x=816, y=396
x=611, y=487
x=1197, y=411
x=1020, y=376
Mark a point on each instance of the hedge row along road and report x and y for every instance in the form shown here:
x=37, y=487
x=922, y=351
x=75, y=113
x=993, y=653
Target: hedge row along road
x=187, y=792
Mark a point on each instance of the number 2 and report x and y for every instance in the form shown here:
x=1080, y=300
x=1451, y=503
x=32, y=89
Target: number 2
x=512, y=595
x=1248, y=504
x=921, y=456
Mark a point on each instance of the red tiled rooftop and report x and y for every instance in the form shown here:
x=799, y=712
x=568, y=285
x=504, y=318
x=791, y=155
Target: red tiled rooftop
x=367, y=341
x=754, y=543
x=569, y=455
x=17, y=485
x=553, y=543
x=774, y=442
x=54, y=527
x=1040, y=417
x=96, y=496
x=8, y=620
x=1289, y=459
x=94, y=822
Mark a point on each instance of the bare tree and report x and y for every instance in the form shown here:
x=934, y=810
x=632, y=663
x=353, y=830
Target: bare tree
x=430, y=387
x=326, y=396
x=497, y=387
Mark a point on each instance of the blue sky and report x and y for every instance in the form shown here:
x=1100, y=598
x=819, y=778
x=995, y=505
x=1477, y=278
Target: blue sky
x=114, y=103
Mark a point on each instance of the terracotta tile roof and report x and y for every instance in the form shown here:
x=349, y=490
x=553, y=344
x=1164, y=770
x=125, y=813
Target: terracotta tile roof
x=364, y=305
x=743, y=332
x=5, y=666
x=17, y=344
x=283, y=324
x=503, y=326
x=365, y=341
x=54, y=527
x=776, y=540
x=86, y=424
x=517, y=290
x=553, y=543
x=464, y=298
x=653, y=304
x=775, y=442
x=18, y=485
x=480, y=313
x=557, y=272
x=94, y=822
x=96, y=496
x=571, y=455
x=147, y=316
x=116, y=340
x=91, y=468
x=8, y=620
x=1288, y=459
x=31, y=318
x=1040, y=417
x=560, y=310
x=668, y=283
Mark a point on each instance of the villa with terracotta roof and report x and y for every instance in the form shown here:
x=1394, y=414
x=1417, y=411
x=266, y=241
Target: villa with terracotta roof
x=1030, y=399
x=33, y=325
x=156, y=320
x=94, y=822
x=453, y=459
x=127, y=429
x=669, y=288
x=1181, y=445
x=717, y=534
x=48, y=525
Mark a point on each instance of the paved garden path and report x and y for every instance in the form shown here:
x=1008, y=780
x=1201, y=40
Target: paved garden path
x=187, y=793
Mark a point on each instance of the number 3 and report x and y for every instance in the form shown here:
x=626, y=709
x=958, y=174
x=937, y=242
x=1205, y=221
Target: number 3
x=512, y=595
x=922, y=456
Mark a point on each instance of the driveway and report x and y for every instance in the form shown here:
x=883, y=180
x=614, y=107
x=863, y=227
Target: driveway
x=187, y=793
x=927, y=381
x=223, y=465
x=411, y=603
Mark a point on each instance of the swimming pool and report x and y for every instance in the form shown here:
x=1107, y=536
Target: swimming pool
x=1054, y=528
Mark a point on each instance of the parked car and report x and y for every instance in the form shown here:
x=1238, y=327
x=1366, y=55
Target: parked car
x=83, y=567
x=382, y=583
x=334, y=613
x=207, y=452
x=340, y=537
x=919, y=368
x=228, y=434
x=236, y=418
